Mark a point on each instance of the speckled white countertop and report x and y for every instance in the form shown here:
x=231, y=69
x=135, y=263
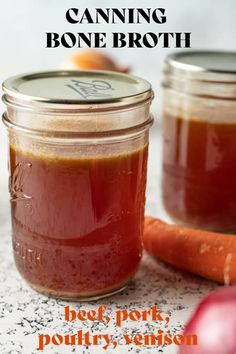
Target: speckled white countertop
x=24, y=314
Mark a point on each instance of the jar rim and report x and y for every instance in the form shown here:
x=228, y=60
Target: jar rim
x=106, y=134
x=207, y=74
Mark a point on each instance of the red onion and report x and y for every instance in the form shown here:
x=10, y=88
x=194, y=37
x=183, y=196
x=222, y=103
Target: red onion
x=214, y=323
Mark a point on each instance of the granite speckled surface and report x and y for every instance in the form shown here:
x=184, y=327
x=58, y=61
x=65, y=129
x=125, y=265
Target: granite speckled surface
x=24, y=314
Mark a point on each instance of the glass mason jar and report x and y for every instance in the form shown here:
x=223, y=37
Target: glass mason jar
x=199, y=128
x=78, y=160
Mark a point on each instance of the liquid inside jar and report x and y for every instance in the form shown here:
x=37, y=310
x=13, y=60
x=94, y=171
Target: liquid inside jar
x=77, y=222
x=199, y=171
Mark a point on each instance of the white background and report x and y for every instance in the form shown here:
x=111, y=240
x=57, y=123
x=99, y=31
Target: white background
x=23, y=41
x=24, y=23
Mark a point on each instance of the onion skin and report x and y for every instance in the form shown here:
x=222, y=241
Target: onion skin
x=214, y=323
x=92, y=60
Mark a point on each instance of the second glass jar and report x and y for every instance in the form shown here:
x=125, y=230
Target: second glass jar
x=199, y=139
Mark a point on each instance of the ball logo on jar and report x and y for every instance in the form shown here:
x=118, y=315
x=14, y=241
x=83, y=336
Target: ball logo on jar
x=87, y=90
x=17, y=182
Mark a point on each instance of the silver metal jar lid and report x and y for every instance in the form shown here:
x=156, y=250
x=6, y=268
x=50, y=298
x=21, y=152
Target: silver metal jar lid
x=203, y=65
x=75, y=90
x=77, y=103
x=202, y=73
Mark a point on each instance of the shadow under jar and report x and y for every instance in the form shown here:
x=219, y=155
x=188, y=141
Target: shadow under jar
x=78, y=160
x=199, y=139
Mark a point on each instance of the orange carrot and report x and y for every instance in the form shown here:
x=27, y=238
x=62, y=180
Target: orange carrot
x=208, y=254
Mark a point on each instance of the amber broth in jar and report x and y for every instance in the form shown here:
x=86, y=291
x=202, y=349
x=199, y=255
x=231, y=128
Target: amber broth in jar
x=77, y=222
x=199, y=172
